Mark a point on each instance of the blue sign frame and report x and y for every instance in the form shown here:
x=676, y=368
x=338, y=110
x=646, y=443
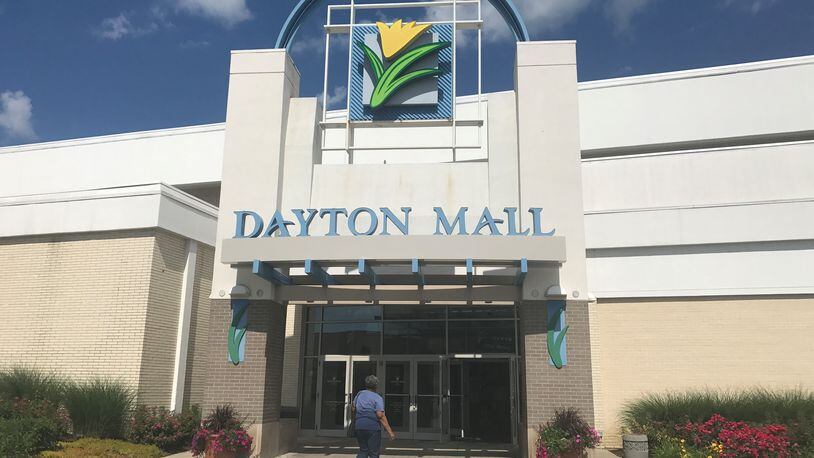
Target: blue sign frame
x=361, y=112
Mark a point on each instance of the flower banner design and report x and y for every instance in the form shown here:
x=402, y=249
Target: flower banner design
x=401, y=72
x=388, y=79
x=555, y=335
x=236, y=342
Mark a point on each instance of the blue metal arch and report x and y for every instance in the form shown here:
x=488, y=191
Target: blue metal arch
x=505, y=7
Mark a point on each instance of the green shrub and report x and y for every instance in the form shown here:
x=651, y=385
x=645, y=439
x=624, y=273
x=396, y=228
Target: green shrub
x=99, y=408
x=27, y=436
x=23, y=409
x=222, y=417
x=674, y=449
x=103, y=448
x=167, y=430
x=657, y=414
x=27, y=383
x=756, y=406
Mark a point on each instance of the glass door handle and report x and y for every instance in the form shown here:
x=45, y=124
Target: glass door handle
x=413, y=408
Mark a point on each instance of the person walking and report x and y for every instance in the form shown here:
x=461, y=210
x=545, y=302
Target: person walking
x=369, y=417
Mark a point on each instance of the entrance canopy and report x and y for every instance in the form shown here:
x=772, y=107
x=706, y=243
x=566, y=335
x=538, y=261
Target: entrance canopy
x=346, y=266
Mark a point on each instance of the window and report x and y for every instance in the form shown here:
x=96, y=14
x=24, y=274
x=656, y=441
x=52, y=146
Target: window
x=481, y=337
x=352, y=313
x=414, y=338
x=402, y=329
x=351, y=338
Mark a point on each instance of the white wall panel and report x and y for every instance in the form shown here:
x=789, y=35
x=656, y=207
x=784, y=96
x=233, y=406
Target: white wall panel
x=124, y=208
x=788, y=220
x=173, y=156
x=420, y=186
x=733, y=101
x=752, y=269
x=760, y=173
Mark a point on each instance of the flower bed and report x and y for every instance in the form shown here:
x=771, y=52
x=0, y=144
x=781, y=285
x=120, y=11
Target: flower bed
x=222, y=435
x=168, y=430
x=567, y=434
x=734, y=439
x=755, y=423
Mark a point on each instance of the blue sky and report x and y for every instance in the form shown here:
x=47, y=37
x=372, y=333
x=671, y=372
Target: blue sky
x=92, y=67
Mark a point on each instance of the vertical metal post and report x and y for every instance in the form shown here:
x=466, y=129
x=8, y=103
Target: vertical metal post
x=480, y=75
x=454, y=79
x=348, y=143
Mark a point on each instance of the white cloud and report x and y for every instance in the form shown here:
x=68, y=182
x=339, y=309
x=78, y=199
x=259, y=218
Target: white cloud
x=310, y=44
x=543, y=16
x=621, y=12
x=539, y=15
x=194, y=44
x=315, y=44
x=15, y=115
x=118, y=27
x=336, y=97
x=752, y=6
x=227, y=12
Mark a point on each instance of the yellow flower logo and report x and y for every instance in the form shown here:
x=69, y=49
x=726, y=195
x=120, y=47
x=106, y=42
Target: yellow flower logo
x=398, y=36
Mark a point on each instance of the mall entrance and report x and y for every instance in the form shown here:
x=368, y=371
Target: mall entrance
x=467, y=394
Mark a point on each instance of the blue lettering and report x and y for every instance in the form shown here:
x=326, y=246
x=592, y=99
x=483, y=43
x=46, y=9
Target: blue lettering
x=538, y=231
x=305, y=223
x=511, y=213
x=240, y=226
x=441, y=219
x=332, y=218
x=374, y=221
x=403, y=226
x=278, y=224
x=486, y=219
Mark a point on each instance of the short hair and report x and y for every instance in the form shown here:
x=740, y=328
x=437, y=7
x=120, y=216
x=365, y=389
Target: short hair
x=371, y=381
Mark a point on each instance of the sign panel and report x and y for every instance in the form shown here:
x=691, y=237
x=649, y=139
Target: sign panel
x=401, y=72
x=249, y=224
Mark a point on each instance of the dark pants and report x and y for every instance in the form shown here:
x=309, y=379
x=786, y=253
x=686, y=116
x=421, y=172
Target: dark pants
x=370, y=443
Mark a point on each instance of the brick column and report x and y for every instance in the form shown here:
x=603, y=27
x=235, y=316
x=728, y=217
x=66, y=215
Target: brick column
x=551, y=178
x=546, y=388
x=254, y=386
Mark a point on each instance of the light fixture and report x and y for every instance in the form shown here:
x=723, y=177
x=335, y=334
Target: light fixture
x=240, y=291
x=556, y=292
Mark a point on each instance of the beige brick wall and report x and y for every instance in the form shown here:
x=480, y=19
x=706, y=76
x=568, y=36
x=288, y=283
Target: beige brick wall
x=161, y=327
x=655, y=346
x=291, y=362
x=199, y=328
x=253, y=387
x=546, y=388
x=75, y=304
x=103, y=304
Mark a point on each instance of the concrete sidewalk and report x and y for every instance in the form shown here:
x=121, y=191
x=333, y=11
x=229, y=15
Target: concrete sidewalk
x=406, y=451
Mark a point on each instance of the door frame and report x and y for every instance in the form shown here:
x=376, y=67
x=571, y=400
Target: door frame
x=513, y=380
x=348, y=394
x=413, y=432
x=445, y=432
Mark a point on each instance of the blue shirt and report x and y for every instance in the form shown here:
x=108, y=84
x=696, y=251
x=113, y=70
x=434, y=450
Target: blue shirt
x=367, y=403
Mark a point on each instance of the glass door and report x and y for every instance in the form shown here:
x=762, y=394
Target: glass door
x=426, y=408
x=342, y=378
x=397, y=398
x=456, y=401
x=333, y=396
x=482, y=402
x=412, y=398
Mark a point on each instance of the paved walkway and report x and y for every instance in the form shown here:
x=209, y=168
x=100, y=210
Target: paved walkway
x=408, y=450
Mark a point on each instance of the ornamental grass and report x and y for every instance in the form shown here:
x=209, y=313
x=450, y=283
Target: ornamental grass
x=99, y=408
x=31, y=384
x=663, y=417
x=758, y=405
